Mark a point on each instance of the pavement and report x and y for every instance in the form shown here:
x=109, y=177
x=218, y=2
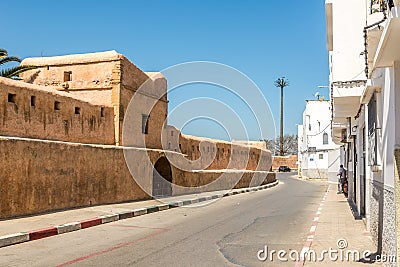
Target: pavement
x=19, y=230
x=335, y=229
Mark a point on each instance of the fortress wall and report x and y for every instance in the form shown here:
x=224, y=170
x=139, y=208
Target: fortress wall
x=83, y=76
x=290, y=161
x=38, y=112
x=41, y=176
x=110, y=79
x=212, y=154
x=55, y=175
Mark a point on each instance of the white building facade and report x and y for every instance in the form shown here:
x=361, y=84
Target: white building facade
x=318, y=155
x=363, y=39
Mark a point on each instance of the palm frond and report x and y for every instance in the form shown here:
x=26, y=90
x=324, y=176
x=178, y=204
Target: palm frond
x=3, y=53
x=5, y=60
x=12, y=72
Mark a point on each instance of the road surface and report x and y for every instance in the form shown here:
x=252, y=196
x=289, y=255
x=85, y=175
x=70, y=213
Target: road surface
x=228, y=232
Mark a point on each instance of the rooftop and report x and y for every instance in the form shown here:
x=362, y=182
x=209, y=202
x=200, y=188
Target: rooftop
x=74, y=59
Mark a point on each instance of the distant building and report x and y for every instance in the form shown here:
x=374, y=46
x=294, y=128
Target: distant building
x=318, y=156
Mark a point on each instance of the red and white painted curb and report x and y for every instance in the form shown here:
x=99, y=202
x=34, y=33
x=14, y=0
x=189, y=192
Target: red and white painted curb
x=311, y=234
x=16, y=238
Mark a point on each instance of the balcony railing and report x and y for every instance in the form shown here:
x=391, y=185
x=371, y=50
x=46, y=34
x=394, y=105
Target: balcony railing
x=380, y=6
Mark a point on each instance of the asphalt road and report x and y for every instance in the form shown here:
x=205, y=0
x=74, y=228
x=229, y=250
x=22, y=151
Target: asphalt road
x=228, y=232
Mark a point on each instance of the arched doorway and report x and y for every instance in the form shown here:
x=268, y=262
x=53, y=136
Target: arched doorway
x=162, y=178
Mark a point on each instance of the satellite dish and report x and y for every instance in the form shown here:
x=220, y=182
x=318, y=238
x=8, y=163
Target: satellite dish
x=317, y=95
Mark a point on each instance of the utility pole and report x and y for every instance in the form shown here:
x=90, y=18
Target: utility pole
x=282, y=83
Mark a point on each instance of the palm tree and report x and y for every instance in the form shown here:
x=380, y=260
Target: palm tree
x=282, y=83
x=12, y=72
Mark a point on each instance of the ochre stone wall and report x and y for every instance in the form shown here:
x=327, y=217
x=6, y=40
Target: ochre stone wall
x=28, y=110
x=39, y=176
x=212, y=154
x=290, y=161
x=108, y=79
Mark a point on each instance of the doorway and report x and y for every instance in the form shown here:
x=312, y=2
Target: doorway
x=162, y=178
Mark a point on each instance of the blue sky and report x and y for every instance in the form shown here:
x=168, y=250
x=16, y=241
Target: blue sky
x=263, y=39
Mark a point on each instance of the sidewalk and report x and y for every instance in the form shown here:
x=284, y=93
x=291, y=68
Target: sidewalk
x=14, y=231
x=335, y=227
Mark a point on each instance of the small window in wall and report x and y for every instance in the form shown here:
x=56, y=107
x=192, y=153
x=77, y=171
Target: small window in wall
x=57, y=105
x=145, y=124
x=77, y=110
x=12, y=98
x=33, y=101
x=67, y=76
x=180, y=146
x=102, y=112
x=321, y=156
x=325, y=139
x=172, y=133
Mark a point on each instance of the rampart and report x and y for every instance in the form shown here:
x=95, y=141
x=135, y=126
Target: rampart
x=41, y=112
x=61, y=143
x=41, y=176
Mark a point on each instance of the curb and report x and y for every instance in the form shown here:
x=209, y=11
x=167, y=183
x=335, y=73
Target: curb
x=13, y=239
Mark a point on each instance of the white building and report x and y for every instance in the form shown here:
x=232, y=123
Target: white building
x=318, y=155
x=363, y=39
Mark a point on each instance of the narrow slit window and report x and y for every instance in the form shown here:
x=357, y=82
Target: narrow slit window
x=67, y=76
x=77, y=110
x=325, y=139
x=12, y=98
x=57, y=105
x=33, y=101
x=102, y=112
x=145, y=124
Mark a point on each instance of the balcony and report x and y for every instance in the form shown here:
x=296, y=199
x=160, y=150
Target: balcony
x=346, y=99
x=388, y=48
x=337, y=132
x=370, y=89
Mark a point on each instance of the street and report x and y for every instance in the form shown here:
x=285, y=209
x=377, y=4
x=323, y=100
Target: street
x=229, y=232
